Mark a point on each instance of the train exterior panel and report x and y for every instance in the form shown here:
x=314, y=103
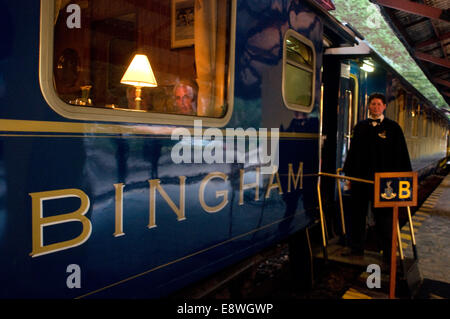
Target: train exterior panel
x=424, y=127
x=98, y=208
x=108, y=189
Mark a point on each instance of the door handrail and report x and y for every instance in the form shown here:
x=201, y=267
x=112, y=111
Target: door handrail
x=322, y=218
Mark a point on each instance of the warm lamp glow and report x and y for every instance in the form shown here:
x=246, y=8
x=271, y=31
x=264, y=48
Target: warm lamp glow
x=139, y=74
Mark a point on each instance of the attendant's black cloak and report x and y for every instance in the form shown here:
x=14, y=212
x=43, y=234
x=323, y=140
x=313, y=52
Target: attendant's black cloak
x=377, y=149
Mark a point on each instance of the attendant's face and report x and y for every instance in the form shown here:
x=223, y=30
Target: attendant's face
x=376, y=107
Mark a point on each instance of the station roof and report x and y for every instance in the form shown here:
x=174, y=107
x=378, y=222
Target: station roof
x=423, y=26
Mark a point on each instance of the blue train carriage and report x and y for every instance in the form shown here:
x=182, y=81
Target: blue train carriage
x=362, y=71
x=117, y=178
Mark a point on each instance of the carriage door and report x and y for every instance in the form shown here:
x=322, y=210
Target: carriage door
x=347, y=112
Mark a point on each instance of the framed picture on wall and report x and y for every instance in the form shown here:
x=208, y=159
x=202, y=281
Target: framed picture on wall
x=182, y=23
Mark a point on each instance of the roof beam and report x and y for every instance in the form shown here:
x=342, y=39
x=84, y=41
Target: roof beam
x=415, y=8
x=442, y=82
x=440, y=74
x=412, y=24
x=442, y=37
x=433, y=59
x=401, y=29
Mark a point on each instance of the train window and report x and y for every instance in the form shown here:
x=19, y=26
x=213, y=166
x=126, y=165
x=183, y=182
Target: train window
x=299, y=60
x=422, y=122
x=408, y=114
x=429, y=124
x=138, y=61
x=392, y=109
x=433, y=128
x=425, y=123
x=415, y=117
x=401, y=109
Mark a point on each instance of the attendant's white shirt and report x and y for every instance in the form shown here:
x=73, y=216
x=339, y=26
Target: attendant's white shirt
x=381, y=118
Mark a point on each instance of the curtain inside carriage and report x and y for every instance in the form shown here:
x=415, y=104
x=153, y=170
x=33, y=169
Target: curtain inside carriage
x=210, y=54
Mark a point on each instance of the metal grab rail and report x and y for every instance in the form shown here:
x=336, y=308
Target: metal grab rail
x=411, y=229
x=322, y=223
x=341, y=206
x=319, y=195
x=322, y=218
x=346, y=177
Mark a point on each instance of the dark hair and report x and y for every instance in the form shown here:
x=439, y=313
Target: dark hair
x=377, y=96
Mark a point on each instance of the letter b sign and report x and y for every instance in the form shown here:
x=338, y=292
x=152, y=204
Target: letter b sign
x=395, y=189
x=404, y=189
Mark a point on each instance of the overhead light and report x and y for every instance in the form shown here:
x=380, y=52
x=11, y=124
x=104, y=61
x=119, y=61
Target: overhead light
x=368, y=66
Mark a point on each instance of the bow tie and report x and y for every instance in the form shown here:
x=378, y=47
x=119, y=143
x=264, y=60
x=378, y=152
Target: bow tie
x=372, y=121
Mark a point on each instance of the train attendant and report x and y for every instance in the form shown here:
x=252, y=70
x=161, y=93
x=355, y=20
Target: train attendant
x=377, y=145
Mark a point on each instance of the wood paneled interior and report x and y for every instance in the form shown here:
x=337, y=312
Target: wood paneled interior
x=111, y=32
x=154, y=39
x=78, y=40
x=113, y=41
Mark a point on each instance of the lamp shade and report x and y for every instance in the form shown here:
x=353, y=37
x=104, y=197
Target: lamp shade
x=139, y=73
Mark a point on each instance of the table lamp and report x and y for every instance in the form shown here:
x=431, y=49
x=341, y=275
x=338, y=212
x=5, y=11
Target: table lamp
x=139, y=74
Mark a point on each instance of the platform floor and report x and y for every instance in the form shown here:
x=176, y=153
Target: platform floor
x=431, y=223
x=433, y=242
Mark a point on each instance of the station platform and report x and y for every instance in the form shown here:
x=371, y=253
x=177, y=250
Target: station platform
x=432, y=234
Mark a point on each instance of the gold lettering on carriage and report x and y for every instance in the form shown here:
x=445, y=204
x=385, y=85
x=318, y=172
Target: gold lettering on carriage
x=249, y=179
x=39, y=222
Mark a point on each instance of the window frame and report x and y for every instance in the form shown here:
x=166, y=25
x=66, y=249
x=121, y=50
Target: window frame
x=310, y=44
x=46, y=78
x=415, y=109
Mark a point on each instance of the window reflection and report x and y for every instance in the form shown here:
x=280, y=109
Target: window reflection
x=298, y=85
x=189, y=63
